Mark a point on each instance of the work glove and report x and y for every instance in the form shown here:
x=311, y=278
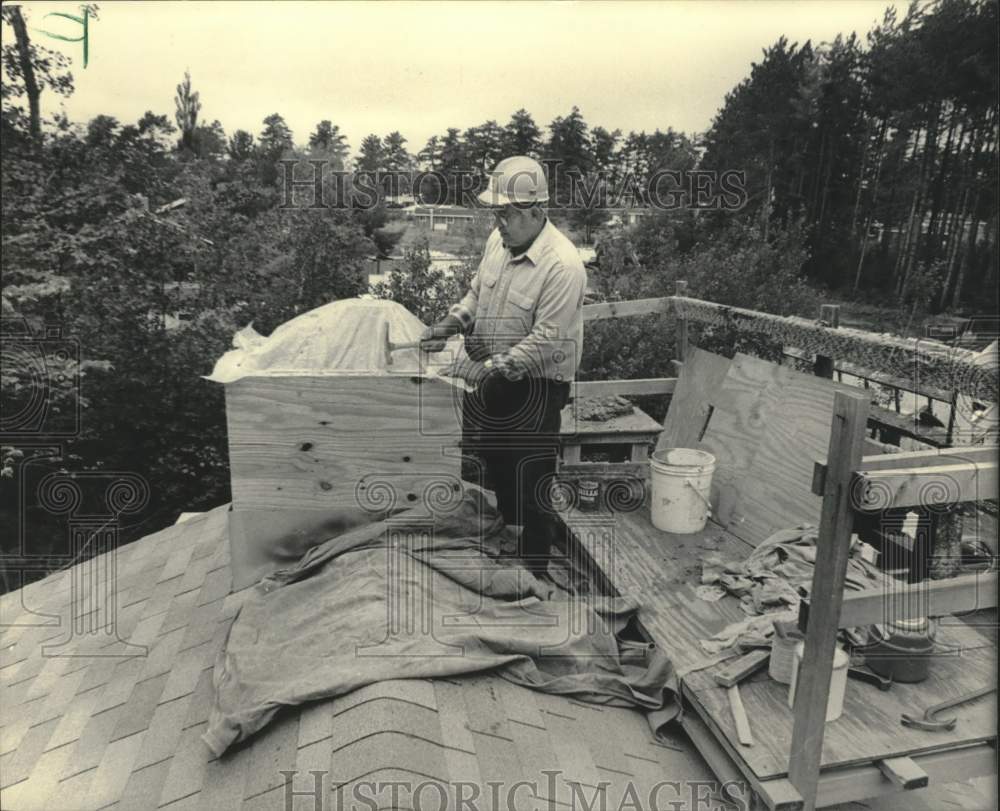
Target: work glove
x=436, y=335
x=476, y=348
x=506, y=365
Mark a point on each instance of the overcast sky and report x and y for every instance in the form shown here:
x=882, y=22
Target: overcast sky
x=421, y=67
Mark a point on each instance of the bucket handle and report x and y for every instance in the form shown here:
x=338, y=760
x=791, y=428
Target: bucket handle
x=697, y=492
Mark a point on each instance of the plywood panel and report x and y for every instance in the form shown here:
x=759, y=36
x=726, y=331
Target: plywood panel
x=742, y=407
x=318, y=443
x=768, y=425
x=777, y=493
x=701, y=376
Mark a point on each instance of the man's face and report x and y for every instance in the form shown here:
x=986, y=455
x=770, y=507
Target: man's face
x=518, y=225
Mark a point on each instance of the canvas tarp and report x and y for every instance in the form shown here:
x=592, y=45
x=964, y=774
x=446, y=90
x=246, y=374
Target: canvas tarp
x=415, y=596
x=343, y=337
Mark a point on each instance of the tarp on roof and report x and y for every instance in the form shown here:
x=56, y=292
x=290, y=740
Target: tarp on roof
x=343, y=337
x=416, y=596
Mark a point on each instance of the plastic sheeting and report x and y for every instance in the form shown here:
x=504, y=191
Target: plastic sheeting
x=343, y=337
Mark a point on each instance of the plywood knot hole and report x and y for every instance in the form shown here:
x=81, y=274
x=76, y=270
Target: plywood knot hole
x=416, y=380
x=406, y=458
x=306, y=446
x=411, y=496
x=324, y=485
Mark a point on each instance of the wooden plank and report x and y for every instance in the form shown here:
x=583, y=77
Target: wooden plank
x=932, y=598
x=616, y=428
x=681, y=332
x=618, y=309
x=908, y=426
x=778, y=794
x=747, y=664
x=970, y=454
x=903, y=772
x=865, y=782
x=305, y=442
x=925, y=487
x=700, y=377
x=603, y=388
x=850, y=413
x=743, y=733
x=829, y=315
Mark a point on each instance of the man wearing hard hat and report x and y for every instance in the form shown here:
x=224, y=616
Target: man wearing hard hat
x=522, y=319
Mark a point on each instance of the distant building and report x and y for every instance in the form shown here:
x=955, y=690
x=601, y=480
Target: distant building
x=627, y=216
x=440, y=218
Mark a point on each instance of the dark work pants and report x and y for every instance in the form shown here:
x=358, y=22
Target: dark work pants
x=514, y=427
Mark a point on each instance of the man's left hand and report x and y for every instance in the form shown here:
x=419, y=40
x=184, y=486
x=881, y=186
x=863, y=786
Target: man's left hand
x=507, y=366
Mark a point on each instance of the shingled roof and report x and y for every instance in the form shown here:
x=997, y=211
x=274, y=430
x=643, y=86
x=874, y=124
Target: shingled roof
x=89, y=724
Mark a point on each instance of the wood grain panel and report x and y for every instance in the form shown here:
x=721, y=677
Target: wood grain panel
x=701, y=375
x=308, y=442
x=776, y=492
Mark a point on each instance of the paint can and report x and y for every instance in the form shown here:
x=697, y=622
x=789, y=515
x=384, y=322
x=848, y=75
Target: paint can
x=901, y=650
x=838, y=681
x=588, y=494
x=782, y=663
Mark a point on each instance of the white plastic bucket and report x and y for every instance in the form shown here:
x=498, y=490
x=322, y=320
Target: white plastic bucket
x=838, y=681
x=682, y=482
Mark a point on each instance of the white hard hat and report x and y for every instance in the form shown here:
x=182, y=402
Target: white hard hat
x=518, y=179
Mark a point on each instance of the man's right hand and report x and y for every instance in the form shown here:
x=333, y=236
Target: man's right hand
x=436, y=336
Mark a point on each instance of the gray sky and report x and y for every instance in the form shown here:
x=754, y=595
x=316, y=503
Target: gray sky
x=421, y=67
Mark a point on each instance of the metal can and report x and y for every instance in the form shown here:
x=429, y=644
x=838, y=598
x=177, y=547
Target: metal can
x=589, y=494
x=901, y=650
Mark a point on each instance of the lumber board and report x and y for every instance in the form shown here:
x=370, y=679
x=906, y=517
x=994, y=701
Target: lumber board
x=848, y=784
x=850, y=413
x=645, y=385
x=903, y=772
x=971, y=454
x=778, y=794
x=892, y=488
x=699, y=377
x=322, y=442
x=864, y=782
x=618, y=309
x=931, y=598
x=746, y=665
x=617, y=429
x=909, y=426
x=661, y=570
x=743, y=733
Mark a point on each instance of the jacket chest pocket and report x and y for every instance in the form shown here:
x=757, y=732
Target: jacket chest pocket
x=520, y=308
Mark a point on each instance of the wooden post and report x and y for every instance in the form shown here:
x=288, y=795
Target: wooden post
x=682, y=325
x=847, y=438
x=829, y=314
